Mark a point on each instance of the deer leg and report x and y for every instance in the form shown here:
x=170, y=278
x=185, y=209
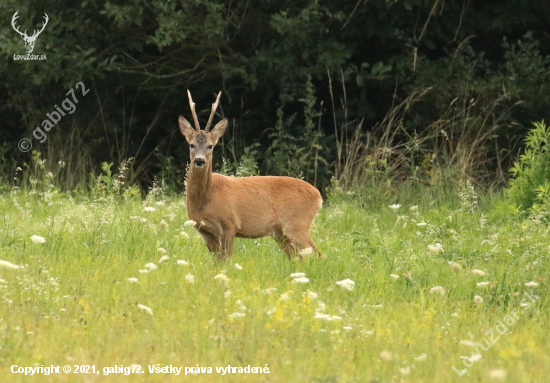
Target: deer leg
x=301, y=239
x=218, y=238
x=227, y=246
x=284, y=243
x=212, y=242
x=288, y=247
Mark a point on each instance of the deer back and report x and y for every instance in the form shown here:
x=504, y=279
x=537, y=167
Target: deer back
x=256, y=206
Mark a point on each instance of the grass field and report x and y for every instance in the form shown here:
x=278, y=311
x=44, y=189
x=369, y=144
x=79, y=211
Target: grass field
x=416, y=310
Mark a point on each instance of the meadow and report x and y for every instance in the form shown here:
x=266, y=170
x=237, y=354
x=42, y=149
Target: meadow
x=116, y=280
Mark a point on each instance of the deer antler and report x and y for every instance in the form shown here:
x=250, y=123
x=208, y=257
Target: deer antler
x=23, y=34
x=46, y=18
x=214, y=107
x=192, y=106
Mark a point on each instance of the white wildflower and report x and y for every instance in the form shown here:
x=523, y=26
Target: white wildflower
x=321, y=306
x=297, y=275
x=421, y=357
x=227, y=294
x=347, y=328
x=184, y=234
x=394, y=276
x=497, y=374
x=311, y=295
x=286, y=296
x=145, y=308
x=182, y=262
x=164, y=258
x=189, y=223
x=482, y=284
x=455, y=266
x=474, y=357
x=384, y=355
x=478, y=299
x=405, y=370
x=161, y=250
x=159, y=203
x=149, y=208
x=242, y=307
x=467, y=343
x=478, y=272
x=421, y=224
x=151, y=266
x=395, y=206
x=301, y=280
x=38, y=239
x=436, y=248
x=236, y=315
x=438, y=289
x=223, y=278
x=346, y=284
x=531, y=284
x=454, y=315
x=132, y=280
x=414, y=208
x=142, y=271
x=238, y=267
x=190, y=278
x=9, y=265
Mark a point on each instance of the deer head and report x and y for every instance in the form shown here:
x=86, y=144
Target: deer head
x=29, y=40
x=201, y=142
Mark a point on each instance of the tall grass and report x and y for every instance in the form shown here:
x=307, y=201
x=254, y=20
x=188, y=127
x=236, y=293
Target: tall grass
x=73, y=302
x=390, y=160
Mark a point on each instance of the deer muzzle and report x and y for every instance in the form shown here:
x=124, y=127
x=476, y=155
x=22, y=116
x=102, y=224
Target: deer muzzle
x=199, y=162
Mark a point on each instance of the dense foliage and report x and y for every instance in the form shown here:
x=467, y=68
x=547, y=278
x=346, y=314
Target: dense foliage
x=530, y=185
x=460, y=82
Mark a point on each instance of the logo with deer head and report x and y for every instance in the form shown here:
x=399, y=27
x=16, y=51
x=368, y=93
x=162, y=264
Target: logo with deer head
x=29, y=40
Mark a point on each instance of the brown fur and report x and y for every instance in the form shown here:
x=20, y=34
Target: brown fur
x=247, y=207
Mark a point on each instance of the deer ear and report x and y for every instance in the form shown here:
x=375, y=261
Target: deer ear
x=186, y=128
x=218, y=131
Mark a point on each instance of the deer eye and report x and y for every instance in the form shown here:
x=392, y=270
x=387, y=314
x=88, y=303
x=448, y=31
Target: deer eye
x=192, y=146
x=209, y=147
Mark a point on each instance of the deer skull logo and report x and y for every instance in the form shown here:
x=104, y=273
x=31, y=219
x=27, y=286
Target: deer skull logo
x=29, y=40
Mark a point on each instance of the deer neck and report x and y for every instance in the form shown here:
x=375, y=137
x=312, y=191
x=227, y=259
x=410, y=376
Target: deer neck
x=199, y=186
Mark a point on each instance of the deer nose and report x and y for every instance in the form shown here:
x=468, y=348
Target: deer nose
x=200, y=161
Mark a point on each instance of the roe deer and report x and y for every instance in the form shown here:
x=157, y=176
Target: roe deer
x=248, y=207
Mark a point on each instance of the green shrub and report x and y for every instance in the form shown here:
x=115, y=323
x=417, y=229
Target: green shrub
x=530, y=184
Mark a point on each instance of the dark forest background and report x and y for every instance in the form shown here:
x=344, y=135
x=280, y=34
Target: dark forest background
x=341, y=93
